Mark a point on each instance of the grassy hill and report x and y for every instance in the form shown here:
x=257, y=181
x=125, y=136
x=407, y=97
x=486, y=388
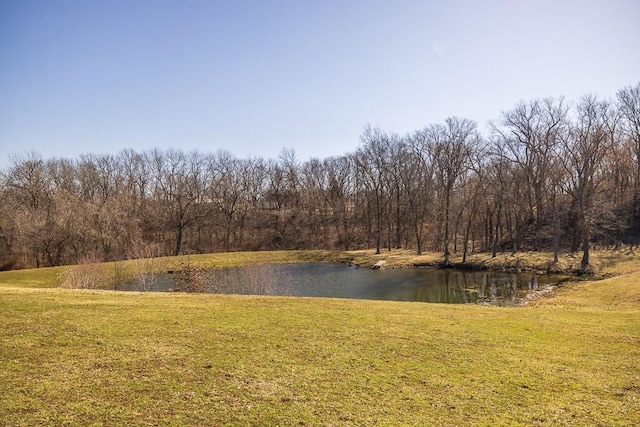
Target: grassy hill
x=72, y=357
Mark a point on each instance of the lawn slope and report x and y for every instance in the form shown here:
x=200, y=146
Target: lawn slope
x=70, y=357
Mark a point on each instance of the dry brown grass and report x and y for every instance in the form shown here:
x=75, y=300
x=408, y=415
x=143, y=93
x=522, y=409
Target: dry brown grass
x=604, y=262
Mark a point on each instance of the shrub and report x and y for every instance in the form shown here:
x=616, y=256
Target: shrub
x=191, y=278
x=83, y=276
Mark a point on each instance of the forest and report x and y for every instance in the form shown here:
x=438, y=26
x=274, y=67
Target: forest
x=548, y=174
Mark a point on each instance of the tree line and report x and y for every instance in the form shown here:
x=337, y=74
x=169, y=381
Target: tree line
x=548, y=175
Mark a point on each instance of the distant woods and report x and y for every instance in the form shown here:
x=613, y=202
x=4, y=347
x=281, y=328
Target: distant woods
x=548, y=175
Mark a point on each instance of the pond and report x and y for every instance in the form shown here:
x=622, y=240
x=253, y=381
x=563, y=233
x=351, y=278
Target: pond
x=344, y=281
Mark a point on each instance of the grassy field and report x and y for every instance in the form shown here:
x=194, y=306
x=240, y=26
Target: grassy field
x=71, y=357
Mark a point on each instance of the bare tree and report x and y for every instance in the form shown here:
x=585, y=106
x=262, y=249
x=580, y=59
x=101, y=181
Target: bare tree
x=31, y=210
x=452, y=148
x=179, y=181
x=339, y=194
x=473, y=193
x=255, y=175
x=530, y=134
x=584, y=147
x=225, y=191
x=418, y=184
x=629, y=107
x=547, y=181
x=372, y=159
x=314, y=206
x=396, y=208
x=136, y=175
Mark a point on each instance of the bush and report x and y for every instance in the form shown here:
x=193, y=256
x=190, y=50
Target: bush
x=146, y=265
x=191, y=278
x=84, y=276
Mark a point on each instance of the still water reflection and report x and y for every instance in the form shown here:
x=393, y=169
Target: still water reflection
x=343, y=281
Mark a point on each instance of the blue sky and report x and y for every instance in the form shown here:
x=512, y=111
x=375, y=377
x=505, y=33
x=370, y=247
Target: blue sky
x=254, y=77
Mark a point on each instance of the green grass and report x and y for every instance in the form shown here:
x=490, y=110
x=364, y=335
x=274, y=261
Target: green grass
x=70, y=357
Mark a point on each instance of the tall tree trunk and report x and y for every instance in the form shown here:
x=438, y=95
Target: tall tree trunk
x=378, y=223
x=446, y=228
x=494, y=249
x=398, y=225
x=584, y=263
x=586, y=231
x=556, y=238
x=178, y=250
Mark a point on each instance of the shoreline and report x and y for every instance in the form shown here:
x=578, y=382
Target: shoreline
x=538, y=262
x=604, y=263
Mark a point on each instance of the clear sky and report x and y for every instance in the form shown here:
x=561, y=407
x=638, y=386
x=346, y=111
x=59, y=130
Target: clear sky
x=254, y=77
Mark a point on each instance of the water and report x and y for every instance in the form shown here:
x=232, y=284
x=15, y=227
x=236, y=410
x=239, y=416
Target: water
x=343, y=281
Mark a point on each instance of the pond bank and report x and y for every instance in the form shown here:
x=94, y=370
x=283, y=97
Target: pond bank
x=605, y=263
